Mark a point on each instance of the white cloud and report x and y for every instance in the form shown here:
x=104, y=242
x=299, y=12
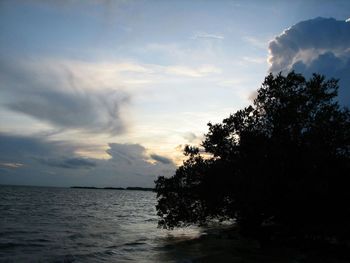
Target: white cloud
x=320, y=45
x=204, y=35
x=10, y=165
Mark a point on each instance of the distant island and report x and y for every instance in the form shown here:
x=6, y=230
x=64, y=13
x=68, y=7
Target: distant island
x=136, y=188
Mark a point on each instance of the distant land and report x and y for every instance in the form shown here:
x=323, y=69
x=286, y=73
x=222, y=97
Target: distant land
x=114, y=188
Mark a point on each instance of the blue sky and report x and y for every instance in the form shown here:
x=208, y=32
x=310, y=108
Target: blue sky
x=110, y=91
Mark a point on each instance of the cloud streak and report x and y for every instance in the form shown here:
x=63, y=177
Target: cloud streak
x=53, y=93
x=11, y=165
x=161, y=159
x=204, y=35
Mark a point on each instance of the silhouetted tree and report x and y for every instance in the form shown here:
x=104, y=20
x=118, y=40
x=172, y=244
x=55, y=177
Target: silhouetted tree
x=283, y=161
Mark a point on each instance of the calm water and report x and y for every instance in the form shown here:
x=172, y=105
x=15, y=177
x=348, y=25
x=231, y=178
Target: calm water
x=82, y=225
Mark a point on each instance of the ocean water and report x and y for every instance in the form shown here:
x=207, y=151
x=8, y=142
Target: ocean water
x=45, y=224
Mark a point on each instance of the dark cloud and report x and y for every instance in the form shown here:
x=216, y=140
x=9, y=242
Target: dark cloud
x=24, y=148
x=53, y=94
x=70, y=163
x=320, y=45
x=31, y=153
x=131, y=165
x=161, y=159
x=37, y=161
x=127, y=152
x=135, y=155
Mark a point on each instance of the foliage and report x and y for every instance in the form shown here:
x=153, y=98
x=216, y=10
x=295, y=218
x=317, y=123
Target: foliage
x=283, y=161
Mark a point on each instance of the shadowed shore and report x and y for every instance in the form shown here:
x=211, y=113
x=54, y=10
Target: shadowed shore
x=227, y=245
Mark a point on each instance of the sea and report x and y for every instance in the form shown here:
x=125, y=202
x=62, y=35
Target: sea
x=47, y=224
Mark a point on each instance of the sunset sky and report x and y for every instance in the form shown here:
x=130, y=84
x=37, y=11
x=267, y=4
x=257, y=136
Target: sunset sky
x=107, y=93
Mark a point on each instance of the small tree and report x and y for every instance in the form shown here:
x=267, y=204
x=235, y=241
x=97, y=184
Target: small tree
x=285, y=160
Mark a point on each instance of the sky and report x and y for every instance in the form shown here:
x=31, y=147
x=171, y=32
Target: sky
x=107, y=93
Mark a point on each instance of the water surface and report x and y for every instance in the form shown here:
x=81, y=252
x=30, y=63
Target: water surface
x=82, y=225
x=45, y=224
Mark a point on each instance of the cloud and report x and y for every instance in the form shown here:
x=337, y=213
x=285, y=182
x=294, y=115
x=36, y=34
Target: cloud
x=134, y=155
x=30, y=156
x=19, y=149
x=70, y=163
x=43, y=162
x=190, y=136
x=320, y=45
x=127, y=152
x=130, y=164
x=161, y=159
x=205, y=35
x=56, y=93
x=11, y=165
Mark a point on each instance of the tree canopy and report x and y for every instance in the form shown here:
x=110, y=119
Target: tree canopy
x=283, y=161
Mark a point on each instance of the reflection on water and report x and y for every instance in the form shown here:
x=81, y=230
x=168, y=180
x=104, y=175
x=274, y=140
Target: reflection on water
x=82, y=225
x=222, y=245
